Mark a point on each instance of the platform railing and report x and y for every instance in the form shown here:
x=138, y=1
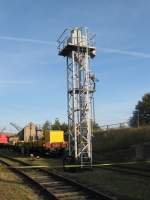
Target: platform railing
x=63, y=39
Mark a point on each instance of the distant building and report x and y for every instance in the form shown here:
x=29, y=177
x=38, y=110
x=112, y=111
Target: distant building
x=28, y=133
x=13, y=139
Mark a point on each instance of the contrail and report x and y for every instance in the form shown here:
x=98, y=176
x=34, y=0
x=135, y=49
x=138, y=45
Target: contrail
x=27, y=40
x=15, y=82
x=128, y=53
x=105, y=50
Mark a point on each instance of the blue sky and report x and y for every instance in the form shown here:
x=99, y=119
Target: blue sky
x=32, y=75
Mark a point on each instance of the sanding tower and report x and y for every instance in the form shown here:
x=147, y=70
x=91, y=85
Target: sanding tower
x=77, y=45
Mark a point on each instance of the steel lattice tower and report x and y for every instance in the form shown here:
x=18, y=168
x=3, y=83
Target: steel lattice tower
x=77, y=46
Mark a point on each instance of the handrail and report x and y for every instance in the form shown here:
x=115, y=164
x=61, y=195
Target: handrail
x=58, y=40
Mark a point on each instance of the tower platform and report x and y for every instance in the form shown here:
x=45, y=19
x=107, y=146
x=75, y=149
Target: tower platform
x=66, y=50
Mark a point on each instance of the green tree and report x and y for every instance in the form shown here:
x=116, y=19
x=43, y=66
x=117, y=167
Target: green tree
x=64, y=127
x=56, y=125
x=141, y=114
x=96, y=126
x=46, y=125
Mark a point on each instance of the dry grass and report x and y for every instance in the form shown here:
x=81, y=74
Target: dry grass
x=12, y=187
x=132, y=186
x=102, y=180
x=120, y=139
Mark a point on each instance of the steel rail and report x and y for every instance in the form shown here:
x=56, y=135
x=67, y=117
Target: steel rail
x=44, y=191
x=143, y=169
x=57, y=186
x=127, y=170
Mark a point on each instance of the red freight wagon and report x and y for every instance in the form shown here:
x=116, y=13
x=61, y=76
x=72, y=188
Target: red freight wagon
x=3, y=139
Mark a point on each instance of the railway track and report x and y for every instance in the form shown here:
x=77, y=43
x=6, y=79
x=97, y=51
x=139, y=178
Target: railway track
x=52, y=185
x=128, y=170
x=135, y=168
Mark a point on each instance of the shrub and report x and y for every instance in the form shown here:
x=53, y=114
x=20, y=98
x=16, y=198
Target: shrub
x=116, y=139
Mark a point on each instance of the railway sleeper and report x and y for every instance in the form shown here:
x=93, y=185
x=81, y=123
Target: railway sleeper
x=76, y=198
x=68, y=194
x=68, y=188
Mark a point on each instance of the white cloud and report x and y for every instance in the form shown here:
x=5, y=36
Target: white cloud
x=27, y=40
x=123, y=52
x=14, y=82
